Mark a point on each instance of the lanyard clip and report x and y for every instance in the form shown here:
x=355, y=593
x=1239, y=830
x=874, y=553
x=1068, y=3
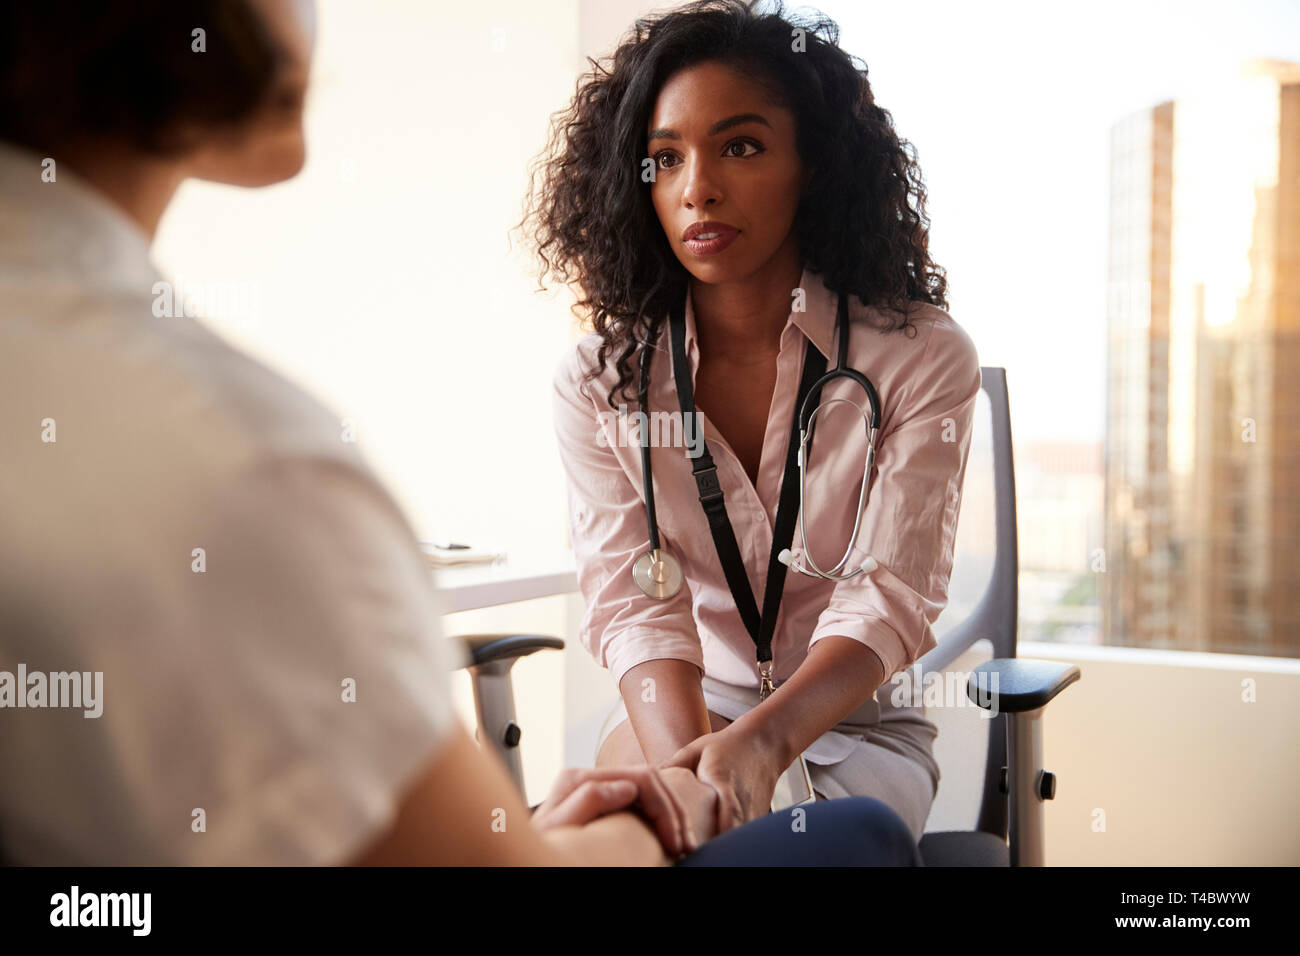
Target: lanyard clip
x=765, y=686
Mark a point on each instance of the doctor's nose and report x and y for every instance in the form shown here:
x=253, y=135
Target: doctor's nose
x=701, y=189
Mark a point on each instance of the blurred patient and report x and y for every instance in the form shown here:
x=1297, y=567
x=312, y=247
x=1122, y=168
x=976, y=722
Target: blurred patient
x=187, y=544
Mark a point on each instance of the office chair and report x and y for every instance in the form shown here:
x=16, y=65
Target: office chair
x=491, y=658
x=1024, y=688
x=1013, y=788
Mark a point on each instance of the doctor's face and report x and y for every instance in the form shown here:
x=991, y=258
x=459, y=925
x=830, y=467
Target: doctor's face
x=723, y=152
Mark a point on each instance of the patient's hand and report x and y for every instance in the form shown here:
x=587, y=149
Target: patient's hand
x=698, y=799
x=670, y=804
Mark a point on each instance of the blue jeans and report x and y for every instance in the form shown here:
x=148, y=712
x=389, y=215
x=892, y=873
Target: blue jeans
x=849, y=831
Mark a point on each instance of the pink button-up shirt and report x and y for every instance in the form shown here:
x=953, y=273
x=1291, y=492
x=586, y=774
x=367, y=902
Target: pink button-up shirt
x=927, y=385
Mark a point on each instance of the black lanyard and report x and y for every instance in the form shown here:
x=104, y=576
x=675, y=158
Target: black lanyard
x=706, y=479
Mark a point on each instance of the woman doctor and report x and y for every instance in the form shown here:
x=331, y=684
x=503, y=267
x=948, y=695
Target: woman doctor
x=760, y=134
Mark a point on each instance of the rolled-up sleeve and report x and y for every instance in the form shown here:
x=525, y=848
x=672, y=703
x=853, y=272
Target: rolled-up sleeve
x=910, y=522
x=623, y=627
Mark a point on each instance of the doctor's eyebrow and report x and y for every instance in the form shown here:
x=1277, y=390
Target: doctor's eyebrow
x=718, y=127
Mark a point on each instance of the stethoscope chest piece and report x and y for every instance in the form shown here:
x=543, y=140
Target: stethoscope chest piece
x=658, y=574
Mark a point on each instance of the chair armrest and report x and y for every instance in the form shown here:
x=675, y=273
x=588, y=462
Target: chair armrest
x=1021, y=685
x=486, y=648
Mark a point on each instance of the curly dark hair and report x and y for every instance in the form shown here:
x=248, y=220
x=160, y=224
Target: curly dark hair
x=592, y=220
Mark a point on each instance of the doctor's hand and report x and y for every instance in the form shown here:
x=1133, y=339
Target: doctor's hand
x=738, y=766
x=675, y=812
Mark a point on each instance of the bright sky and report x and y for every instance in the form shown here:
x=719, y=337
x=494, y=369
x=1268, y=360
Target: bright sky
x=1010, y=107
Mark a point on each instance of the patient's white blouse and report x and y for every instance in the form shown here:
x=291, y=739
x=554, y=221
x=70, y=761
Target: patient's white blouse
x=182, y=520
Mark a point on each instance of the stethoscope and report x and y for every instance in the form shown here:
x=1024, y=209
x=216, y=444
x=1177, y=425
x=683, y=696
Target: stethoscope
x=659, y=574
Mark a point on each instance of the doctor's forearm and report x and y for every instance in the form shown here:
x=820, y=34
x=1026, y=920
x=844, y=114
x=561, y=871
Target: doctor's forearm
x=836, y=677
x=666, y=706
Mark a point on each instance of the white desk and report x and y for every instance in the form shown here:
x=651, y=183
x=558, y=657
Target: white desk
x=521, y=577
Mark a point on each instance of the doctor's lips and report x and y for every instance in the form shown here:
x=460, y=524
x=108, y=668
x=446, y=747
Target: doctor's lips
x=709, y=237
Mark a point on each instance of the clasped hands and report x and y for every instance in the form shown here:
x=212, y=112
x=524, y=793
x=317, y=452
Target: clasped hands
x=717, y=781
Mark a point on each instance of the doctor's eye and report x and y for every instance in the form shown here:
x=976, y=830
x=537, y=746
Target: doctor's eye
x=659, y=157
x=744, y=142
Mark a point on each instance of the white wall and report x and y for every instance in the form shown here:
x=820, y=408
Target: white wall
x=383, y=275
x=1185, y=769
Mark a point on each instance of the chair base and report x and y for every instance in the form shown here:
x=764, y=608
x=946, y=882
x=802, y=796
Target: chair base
x=964, y=848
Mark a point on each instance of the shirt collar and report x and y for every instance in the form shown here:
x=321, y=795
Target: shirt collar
x=816, y=321
x=66, y=231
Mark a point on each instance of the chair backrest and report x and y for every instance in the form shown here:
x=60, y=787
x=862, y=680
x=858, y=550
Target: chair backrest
x=994, y=617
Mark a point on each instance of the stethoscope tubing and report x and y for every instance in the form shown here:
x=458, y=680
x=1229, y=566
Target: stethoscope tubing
x=804, y=435
x=657, y=566
x=807, y=422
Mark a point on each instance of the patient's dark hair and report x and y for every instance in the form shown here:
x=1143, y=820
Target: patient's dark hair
x=126, y=71
x=594, y=225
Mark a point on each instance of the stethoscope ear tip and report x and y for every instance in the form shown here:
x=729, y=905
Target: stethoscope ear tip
x=785, y=557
